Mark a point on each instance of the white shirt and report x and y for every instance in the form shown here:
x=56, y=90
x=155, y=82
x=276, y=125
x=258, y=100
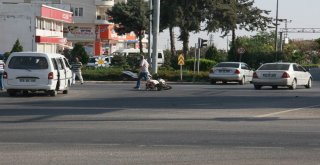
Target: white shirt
x=144, y=65
x=1, y=66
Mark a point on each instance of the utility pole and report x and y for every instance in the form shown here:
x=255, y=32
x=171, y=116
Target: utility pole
x=150, y=32
x=276, y=35
x=155, y=34
x=211, y=40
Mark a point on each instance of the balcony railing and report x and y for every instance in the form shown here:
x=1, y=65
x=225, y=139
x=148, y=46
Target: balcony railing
x=102, y=19
x=104, y=2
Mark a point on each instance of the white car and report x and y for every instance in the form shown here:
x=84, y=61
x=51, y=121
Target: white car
x=231, y=72
x=281, y=74
x=32, y=71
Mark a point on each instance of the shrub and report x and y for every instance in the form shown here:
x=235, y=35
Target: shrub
x=102, y=74
x=205, y=65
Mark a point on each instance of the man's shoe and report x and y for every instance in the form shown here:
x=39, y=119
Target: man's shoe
x=136, y=87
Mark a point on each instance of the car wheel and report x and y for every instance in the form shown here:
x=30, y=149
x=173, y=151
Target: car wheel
x=65, y=92
x=25, y=93
x=242, y=81
x=213, y=82
x=52, y=92
x=294, y=84
x=309, y=85
x=257, y=87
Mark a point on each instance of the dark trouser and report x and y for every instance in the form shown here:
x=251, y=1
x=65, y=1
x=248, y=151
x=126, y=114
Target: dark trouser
x=142, y=75
x=1, y=87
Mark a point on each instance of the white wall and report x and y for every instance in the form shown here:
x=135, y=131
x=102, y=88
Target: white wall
x=89, y=10
x=16, y=23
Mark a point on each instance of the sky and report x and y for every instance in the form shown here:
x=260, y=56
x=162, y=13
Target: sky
x=299, y=13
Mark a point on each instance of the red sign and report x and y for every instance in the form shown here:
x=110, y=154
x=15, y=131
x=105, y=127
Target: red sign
x=40, y=39
x=97, y=48
x=56, y=14
x=107, y=32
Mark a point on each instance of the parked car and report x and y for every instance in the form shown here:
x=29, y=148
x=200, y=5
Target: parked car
x=231, y=72
x=32, y=71
x=281, y=74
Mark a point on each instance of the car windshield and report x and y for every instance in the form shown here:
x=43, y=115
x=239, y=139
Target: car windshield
x=274, y=67
x=28, y=62
x=230, y=65
x=92, y=60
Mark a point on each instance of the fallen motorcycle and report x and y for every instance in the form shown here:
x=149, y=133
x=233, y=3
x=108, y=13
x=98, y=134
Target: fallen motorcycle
x=158, y=85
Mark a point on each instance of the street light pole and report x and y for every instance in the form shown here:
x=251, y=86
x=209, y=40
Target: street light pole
x=276, y=35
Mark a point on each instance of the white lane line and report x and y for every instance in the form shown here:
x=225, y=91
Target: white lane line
x=286, y=111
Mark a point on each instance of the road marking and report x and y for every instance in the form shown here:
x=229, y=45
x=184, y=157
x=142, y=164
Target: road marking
x=286, y=111
x=253, y=147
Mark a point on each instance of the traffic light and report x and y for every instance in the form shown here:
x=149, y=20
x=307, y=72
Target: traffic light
x=202, y=43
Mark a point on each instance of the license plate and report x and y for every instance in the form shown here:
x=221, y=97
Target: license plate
x=27, y=80
x=269, y=75
x=224, y=71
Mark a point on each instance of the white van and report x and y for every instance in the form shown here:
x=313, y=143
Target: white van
x=32, y=71
x=126, y=52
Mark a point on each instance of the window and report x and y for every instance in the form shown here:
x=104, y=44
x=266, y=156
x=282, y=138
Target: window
x=275, y=67
x=77, y=12
x=301, y=68
x=28, y=62
x=231, y=65
x=40, y=23
x=55, y=65
x=67, y=63
x=62, y=64
x=244, y=66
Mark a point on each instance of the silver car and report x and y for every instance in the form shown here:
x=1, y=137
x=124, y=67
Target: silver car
x=281, y=74
x=231, y=72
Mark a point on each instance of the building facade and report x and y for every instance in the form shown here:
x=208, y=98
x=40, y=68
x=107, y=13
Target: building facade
x=37, y=27
x=90, y=25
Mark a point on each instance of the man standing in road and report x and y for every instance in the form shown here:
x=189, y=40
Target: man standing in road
x=144, y=72
x=76, y=71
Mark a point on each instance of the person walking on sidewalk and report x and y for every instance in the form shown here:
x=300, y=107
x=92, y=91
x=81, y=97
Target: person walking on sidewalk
x=76, y=71
x=144, y=71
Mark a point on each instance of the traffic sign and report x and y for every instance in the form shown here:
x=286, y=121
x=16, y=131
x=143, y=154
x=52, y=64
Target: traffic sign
x=241, y=50
x=181, y=59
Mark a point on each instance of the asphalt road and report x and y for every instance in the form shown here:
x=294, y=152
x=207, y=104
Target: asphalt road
x=111, y=123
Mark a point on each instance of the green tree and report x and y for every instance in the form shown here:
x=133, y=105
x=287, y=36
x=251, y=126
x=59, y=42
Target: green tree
x=190, y=17
x=258, y=49
x=119, y=60
x=79, y=51
x=169, y=19
x=211, y=53
x=132, y=16
x=229, y=15
x=318, y=42
x=17, y=47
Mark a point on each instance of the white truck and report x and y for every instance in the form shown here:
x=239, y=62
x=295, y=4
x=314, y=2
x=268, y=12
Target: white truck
x=132, y=51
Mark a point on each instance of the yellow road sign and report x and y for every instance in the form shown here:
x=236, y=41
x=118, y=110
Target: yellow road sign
x=181, y=59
